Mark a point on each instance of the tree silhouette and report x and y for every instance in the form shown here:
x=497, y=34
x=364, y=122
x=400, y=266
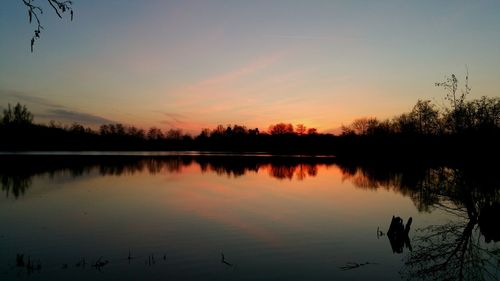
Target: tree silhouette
x=361, y=126
x=300, y=129
x=35, y=11
x=451, y=85
x=281, y=129
x=457, y=114
x=20, y=115
x=174, y=134
x=423, y=134
x=426, y=117
x=312, y=131
x=154, y=134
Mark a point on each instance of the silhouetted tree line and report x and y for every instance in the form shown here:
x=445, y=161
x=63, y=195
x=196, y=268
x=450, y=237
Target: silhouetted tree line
x=477, y=116
x=19, y=133
x=465, y=129
x=459, y=117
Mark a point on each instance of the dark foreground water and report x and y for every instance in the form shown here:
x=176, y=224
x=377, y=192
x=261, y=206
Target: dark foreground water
x=202, y=217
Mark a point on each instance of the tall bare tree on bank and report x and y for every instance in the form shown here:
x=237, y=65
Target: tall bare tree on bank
x=35, y=12
x=457, y=113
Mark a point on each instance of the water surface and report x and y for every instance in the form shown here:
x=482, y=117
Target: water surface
x=172, y=217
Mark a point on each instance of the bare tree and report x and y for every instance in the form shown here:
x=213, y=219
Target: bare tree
x=176, y=134
x=457, y=113
x=300, y=129
x=154, y=134
x=426, y=117
x=312, y=131
x=451, y=85
x=35, y=11
x=281, y=129
x=361, y=126
x=19, y=115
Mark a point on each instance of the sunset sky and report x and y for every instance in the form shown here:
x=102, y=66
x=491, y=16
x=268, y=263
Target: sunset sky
x=195, y=64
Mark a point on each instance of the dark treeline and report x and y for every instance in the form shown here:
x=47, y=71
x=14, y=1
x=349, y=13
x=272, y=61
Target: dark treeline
x=467, y=129
x=19, y=133
x=464, y=129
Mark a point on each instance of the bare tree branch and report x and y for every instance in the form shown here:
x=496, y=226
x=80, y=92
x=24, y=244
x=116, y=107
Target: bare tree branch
x=34, y=10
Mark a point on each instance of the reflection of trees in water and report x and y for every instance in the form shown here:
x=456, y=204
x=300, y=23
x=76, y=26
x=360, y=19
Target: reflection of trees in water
x=229, y=169
x=16, y=172
x=458, y=249
x=429, y=188
x=289, y=172
x=452, y=251
x=16, y=185
x=282, y=172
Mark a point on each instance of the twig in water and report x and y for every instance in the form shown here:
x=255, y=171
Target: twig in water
x=353, y=265
x=100, y=264
x=223, y=260
x=129, y=257
x=379, y=232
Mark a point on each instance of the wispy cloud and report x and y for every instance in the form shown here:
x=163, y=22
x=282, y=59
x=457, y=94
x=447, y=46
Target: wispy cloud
x=22, y=97
x=261, y=92
x=183, y=121
x=74, y=116
x=333, y=39
x=215, y=93
x=173, y=120
x=245, y=70
x=44, y=109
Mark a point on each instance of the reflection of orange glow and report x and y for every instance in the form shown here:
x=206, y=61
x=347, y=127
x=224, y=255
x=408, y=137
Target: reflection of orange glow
x=360, y=180
x=289, y=169
x=255, y=205
x=215, y=202
x=258, y=205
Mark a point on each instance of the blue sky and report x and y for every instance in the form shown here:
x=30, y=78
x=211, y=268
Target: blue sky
x=195, y=64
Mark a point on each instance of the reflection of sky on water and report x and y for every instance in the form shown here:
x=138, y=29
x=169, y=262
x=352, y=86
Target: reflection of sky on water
x=271, y=226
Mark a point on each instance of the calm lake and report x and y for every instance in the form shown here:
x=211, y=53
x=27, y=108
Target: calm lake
x=141, y=216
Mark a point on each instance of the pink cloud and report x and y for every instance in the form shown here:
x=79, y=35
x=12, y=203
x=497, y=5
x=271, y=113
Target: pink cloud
x=245, y=70
x=206, y=90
